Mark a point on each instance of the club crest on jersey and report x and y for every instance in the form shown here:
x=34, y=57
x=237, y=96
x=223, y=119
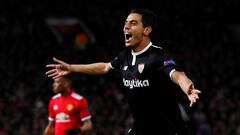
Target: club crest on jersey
x=69, y=107
x=140, y=68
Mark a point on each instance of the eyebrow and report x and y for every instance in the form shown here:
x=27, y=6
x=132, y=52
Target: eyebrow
x=132, y=21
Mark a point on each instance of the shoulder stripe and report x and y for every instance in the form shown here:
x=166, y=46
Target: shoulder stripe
x=56, y=96
x=76, y=96
x=157, y=46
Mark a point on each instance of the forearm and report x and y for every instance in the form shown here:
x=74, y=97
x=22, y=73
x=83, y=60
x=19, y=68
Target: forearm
x=87, y=126
x=49, y=130
x=183, y=81
x=94, y=68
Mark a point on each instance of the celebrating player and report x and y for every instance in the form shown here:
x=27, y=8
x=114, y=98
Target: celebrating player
x=148, y=73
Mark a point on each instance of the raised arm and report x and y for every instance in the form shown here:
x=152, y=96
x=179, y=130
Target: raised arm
x=186, y=85
x=62, y=68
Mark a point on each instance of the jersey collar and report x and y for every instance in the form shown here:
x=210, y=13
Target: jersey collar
x=142, y=51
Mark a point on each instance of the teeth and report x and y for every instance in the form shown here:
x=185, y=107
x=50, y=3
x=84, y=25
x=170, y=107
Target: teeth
x=128, y=36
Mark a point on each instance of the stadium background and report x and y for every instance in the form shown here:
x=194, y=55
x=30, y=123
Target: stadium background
x=203, y=34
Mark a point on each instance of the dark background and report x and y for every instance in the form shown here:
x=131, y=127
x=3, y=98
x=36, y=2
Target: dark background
x=204, y=36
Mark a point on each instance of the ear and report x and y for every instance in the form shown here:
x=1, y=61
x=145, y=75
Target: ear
x=147, y=30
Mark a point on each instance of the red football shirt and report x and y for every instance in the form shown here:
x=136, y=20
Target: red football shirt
x=68, y=111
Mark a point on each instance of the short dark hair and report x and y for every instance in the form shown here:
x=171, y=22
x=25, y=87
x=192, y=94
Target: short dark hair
x=149, y=18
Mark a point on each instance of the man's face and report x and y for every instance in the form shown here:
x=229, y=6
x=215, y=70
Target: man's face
x=133, y=30
x=58, y=85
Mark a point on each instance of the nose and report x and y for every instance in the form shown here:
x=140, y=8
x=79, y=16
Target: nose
x=126, y=27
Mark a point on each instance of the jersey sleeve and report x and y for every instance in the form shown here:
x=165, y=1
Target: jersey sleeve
x=169, y=65
x=84, y=112
x=51, y=115
x=117, y=63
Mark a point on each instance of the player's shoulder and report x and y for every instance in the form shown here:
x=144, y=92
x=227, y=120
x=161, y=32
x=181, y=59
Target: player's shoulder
x=77, y=96
x=56, y=96
x=124, y=52
x=157, y=49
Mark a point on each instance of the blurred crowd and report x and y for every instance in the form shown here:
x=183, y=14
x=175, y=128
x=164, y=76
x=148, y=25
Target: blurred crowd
x=203, y=36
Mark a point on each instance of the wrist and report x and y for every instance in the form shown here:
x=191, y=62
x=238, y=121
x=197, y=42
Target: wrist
x=190, y=87
x=70, y=68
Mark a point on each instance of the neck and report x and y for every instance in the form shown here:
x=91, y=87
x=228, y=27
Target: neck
x=141, y=45
x=66, y=92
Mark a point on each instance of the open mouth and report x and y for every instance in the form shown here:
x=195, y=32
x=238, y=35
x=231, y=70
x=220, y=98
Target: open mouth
x=128, y=36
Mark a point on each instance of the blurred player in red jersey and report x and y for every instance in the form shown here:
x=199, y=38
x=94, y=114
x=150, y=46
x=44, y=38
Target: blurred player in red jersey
x=68, y=111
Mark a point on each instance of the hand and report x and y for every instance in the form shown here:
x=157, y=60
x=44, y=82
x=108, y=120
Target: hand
x=193, y=95
x=59, y=69
x=73, y=131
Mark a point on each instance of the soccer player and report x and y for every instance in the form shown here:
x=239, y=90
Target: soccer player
x=148, y=73
x=68, y=111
